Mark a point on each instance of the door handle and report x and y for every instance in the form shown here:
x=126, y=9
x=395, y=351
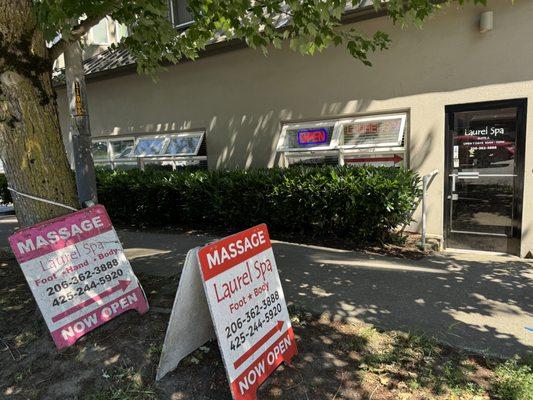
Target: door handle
x=453, y=176
x=468, y=175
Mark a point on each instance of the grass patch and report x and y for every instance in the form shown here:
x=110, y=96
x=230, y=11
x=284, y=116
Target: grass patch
x=513, y=381
x=126, y=385
x=127, y=391
x=336, y=360
x=419, y=363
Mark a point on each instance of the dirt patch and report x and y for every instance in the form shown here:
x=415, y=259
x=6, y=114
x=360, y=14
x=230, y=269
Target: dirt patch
x=119, y=360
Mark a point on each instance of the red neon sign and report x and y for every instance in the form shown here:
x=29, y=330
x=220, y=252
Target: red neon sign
x=312, y=136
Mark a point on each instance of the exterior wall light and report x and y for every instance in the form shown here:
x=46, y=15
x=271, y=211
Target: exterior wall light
x=486, y=21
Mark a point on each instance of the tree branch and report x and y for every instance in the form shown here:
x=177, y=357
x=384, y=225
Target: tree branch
x=75, y=34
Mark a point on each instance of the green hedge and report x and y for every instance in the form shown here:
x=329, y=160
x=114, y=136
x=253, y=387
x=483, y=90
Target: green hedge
x=361, y=204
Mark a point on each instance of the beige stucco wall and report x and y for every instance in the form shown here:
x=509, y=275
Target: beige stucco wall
x=240, y=96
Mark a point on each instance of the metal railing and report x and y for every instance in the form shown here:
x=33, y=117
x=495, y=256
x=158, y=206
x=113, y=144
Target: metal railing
x=426, y=181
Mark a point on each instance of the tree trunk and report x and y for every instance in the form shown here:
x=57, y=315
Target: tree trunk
x=31, y=146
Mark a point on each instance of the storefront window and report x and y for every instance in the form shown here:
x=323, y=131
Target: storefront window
x=149, y=146
x=180, y=15
x=376, y=131
x=371, y=140
x=99, y=150
x=307, y=136
x=317, y=159
x=184, y=145
x=122, y=148
x=173, y=150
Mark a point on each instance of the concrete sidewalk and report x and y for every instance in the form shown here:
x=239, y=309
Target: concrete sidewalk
x=473, y=301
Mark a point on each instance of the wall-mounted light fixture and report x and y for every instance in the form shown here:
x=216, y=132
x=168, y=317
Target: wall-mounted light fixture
x=486, y=21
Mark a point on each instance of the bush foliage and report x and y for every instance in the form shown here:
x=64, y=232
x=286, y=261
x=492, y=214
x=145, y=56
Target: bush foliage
x=362, y=204
x=513, y=381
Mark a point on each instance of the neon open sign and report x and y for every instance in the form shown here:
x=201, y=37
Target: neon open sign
x=312, y=136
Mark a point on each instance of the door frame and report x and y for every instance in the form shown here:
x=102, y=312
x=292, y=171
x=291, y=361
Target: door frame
x=521, y=105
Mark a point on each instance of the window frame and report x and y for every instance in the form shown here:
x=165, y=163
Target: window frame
x=292, y=158
x=345, y=152
x=183, y=25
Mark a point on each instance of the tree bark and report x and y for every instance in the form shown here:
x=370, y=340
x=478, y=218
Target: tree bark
x=31, y=146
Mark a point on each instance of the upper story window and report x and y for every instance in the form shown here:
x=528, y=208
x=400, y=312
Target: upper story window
x=180, y=16
x=121, y=31
x=100, y=33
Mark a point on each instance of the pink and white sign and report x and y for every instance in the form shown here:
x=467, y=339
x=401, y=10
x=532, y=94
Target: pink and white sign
x=78, y=273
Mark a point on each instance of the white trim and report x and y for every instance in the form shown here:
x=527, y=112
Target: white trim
x=184, y=25
x=372, y=150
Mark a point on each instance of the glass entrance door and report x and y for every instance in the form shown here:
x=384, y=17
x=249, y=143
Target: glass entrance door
x=484, y=146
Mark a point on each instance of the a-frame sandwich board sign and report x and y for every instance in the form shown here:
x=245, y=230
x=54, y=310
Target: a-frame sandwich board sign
x=243, y=296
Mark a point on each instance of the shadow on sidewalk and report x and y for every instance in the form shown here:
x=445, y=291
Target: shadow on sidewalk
x=483, y=305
